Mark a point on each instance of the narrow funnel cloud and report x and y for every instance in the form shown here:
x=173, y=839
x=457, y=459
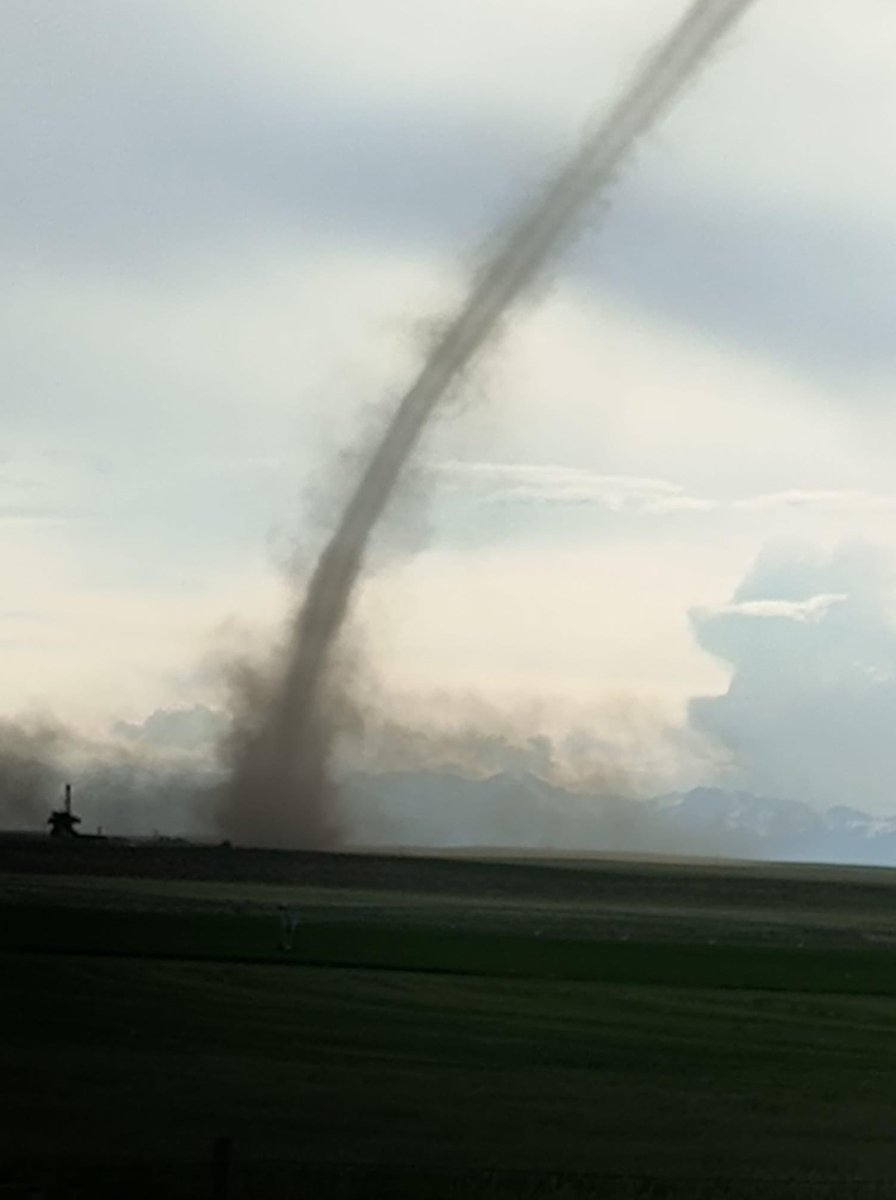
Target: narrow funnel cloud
x=278, y=793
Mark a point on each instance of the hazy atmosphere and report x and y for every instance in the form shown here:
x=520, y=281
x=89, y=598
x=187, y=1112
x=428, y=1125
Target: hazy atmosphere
x=638, y=590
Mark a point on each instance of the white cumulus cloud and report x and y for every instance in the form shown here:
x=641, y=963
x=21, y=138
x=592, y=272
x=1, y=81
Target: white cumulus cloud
x=812, y=609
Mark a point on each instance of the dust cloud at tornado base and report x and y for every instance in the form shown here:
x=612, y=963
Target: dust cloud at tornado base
x=126, y=781
x=279, y=791
x=28, y=770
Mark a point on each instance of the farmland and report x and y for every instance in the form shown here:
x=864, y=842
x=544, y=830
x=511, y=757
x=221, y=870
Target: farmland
x=444, y=1027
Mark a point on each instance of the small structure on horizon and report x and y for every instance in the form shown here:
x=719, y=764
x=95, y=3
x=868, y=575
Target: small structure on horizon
x=62, y=821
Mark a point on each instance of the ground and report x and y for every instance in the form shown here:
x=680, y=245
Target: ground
x=444, y=1028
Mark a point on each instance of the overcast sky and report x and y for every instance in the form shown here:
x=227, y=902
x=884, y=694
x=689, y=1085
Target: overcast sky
x=227, y=228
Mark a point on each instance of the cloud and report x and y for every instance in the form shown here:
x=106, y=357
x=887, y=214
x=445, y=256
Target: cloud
x=844, y=500
x=222, y=224
x=148, y=144
x=193, y=730
x=813, y=609
x=547, y=484
x=811, y=706
x=555, y=484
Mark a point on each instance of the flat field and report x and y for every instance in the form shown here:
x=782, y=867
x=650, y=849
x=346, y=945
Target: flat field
x=443, y=1028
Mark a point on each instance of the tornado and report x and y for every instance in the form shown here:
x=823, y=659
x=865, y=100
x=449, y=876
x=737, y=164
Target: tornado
x=279, y=792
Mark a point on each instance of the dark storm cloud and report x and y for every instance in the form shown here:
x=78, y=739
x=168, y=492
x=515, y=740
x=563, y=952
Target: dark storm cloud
x=126, y=151
x=132, y=147
x=811, y=707
x=808, y=288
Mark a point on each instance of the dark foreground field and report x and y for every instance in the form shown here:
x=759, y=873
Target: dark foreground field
x=444, y=1029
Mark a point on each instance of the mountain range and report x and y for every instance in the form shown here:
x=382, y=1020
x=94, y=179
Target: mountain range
x=519, y=809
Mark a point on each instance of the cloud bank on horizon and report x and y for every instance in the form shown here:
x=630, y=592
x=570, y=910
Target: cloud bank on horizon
x=226, y=232
x=811, y=705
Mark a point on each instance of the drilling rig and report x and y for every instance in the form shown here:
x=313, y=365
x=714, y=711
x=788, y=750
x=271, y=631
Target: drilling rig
x=63, y=821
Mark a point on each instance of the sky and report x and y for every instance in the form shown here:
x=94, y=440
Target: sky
x=667, y=490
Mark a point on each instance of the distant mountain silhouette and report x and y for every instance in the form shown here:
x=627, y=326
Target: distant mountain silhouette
x=442, y=808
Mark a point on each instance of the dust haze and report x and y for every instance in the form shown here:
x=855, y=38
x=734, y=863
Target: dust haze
x=30, y=769
x=132, y=780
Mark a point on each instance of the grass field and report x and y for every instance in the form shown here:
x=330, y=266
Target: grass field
x=521, y=1040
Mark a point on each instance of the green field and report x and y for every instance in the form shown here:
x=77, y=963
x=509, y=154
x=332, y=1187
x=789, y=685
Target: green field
x=576, y=1030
